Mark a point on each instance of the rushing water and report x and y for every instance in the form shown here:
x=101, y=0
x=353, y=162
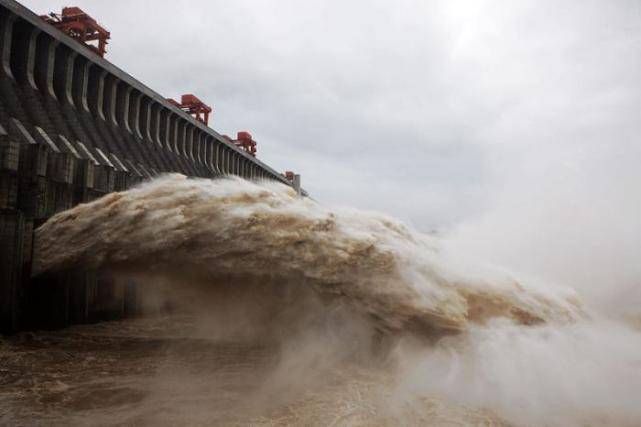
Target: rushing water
x=233, y=230
x=288, y=312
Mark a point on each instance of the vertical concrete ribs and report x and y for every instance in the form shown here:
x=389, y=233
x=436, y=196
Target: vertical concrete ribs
x=73, y=127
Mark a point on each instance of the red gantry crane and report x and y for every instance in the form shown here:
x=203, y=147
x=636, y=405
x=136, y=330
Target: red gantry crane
x=82, y=27
x=192, y=105
x=244, y=141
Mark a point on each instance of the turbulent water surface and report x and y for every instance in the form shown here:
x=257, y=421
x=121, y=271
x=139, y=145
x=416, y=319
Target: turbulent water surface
x=159, y=371
x=287, y=312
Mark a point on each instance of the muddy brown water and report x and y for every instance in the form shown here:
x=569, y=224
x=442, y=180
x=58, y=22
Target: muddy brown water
x=158, y=371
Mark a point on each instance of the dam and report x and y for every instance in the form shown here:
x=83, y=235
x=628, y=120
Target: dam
x=73, y=128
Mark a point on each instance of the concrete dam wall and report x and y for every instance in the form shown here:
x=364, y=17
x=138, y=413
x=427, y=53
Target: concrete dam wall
x=73, y=127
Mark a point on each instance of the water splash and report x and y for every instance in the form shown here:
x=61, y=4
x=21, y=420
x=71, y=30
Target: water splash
x=238, y=231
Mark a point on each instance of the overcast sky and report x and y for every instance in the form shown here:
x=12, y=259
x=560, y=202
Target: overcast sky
x=515, y=124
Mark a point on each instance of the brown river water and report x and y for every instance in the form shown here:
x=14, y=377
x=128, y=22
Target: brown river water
x=155, y=371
